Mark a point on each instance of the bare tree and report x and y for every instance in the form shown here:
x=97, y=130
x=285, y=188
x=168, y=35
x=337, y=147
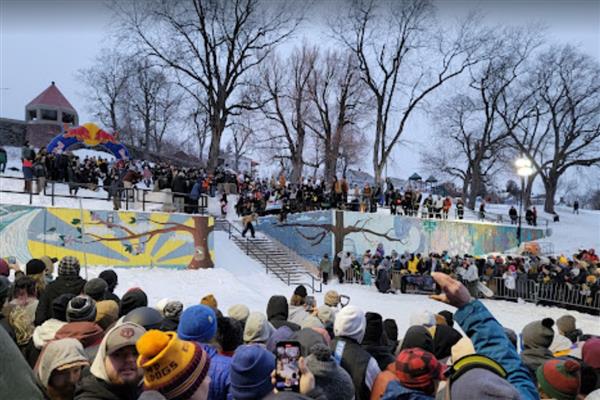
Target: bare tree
x=211, y=45
x=107, y=83
x=154, y=103
x=284, y=86
x=390, y=41
x=339, y=99
x=563, y=130
x=242, y=132
x=200, y=128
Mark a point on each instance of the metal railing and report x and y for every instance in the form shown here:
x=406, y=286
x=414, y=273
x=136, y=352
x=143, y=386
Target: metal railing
x=127, y=195
x=271, y=264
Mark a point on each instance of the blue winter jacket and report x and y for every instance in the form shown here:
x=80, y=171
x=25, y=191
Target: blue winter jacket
x=219, y=374
x=395, y=391
x=489, y=339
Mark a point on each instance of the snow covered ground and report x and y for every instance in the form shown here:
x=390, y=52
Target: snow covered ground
x=239, y=279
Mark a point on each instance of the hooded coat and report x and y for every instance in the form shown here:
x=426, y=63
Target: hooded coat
x=395, y=391
x=59, y=353
x=46, y=332
x=16, y=378
x=97, y=386
x=537, y=337
x=277, y=313
x=376, y=342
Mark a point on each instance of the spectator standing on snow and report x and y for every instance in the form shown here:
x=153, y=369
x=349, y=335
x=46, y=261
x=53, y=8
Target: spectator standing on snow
x=460, y=209
x=482, y=210
x=3, y=160
x=576, y=207
x=325, y=268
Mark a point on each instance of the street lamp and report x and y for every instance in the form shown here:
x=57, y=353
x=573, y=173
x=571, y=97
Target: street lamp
x=524, y=169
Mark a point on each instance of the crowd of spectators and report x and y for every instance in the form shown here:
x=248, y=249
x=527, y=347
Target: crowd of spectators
x=393, y=271
x=68, y=338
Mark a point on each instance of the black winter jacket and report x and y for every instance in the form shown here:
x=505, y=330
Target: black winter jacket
x=62, y=284
x=92, y=388
x=363, y=368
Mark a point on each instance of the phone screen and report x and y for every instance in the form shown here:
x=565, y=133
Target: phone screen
x=288, y=368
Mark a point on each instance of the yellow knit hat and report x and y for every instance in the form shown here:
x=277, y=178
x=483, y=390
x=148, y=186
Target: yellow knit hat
x=174, y=367
x=210, y=301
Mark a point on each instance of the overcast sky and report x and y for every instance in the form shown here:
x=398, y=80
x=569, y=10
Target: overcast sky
x=49, y=40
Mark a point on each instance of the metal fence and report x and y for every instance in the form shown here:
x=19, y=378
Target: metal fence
x=129, y=196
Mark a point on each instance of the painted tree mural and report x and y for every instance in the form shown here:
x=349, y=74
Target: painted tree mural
x=199, y=231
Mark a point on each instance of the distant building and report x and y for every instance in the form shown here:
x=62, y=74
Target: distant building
x=245, y=164
x=45, y=116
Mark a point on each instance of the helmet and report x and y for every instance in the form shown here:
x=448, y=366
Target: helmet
x=147, y=317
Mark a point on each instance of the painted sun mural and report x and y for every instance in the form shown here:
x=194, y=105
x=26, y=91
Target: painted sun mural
x=110, y=238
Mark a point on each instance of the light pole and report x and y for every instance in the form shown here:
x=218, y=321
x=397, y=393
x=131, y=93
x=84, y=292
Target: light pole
x=524, y=169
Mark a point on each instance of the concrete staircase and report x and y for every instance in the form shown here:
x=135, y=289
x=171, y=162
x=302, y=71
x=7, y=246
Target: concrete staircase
x=277, y=259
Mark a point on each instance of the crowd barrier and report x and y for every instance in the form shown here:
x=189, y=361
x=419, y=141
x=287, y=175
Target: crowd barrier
x=554, y=294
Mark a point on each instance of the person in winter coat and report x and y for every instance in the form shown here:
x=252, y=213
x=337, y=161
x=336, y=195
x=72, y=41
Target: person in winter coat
x=559, y=379
x=277, y=313
x=349, y=328
x=460, y=209
x=59, y=368
x=536, y=338
x=418, y=373
x=46, y=332
x=3, y=159
x=489, y=340
x=68, y=281
x=198, y=323
x=175, y=368
x=325, y=268
x=330, y=378
x=376, y=342
x=513, y=215
x=18, y=380
x=345, y=264
x=112, y=280
x=257, y=329
x=247, y=221
x=114, y=374
x=446, y=207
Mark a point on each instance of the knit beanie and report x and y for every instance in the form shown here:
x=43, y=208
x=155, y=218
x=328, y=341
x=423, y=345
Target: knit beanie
x=68, y=266
x=110, y=277
x=482, y=384
x=257, y=329
x=566, y=324
x=4, y=269
x=332, y=298
x=173, y=367
x=133, y=299
x=209, y=300
x=419, y=369
x=197, y=323
x=591, y=353
x=325, y=314
x=146, y=317
x=308, y=338
x=229, y=334
x=559, y=379
x=391, y=329
x=350, y=322
x=96, y=288
x=34, y=267
x=59, y=306
x=107, y=312
x=173, y=310
x=301, y=291
x=161, y=304
x=425, y=318
x=81, y=308
x=239, y=312
x=332, y=379
x=538, y=334
x=250, y=373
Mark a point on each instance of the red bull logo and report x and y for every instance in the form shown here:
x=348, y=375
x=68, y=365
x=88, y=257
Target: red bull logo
x=90, y=134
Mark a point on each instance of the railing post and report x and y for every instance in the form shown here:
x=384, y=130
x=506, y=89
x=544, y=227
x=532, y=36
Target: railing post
x=52, y=193
x=31, y=192
x=144, y=200
x=127, y=199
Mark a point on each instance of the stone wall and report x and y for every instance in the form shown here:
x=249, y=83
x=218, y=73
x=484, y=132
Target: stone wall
x=12, y=132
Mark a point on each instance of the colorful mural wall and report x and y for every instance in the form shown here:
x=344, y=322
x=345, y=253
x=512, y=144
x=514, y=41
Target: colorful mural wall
x=308, y=239
x=310, y=234
x=107, y=238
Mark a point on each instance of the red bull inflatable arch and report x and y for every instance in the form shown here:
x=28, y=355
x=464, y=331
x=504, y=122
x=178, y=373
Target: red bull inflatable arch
x=90, y=135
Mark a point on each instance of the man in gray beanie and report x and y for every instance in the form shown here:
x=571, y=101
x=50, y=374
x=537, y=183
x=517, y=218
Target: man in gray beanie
x=332, y=379
x=96, y=288
x=81, y=308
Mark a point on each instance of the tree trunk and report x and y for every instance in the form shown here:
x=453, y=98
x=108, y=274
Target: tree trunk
x=338, y=238
x=201, y=258
x=475, y=187
x=215, y=144
x=378, y=173
x=550, y=185
x=527, y=193
x=296, y=169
